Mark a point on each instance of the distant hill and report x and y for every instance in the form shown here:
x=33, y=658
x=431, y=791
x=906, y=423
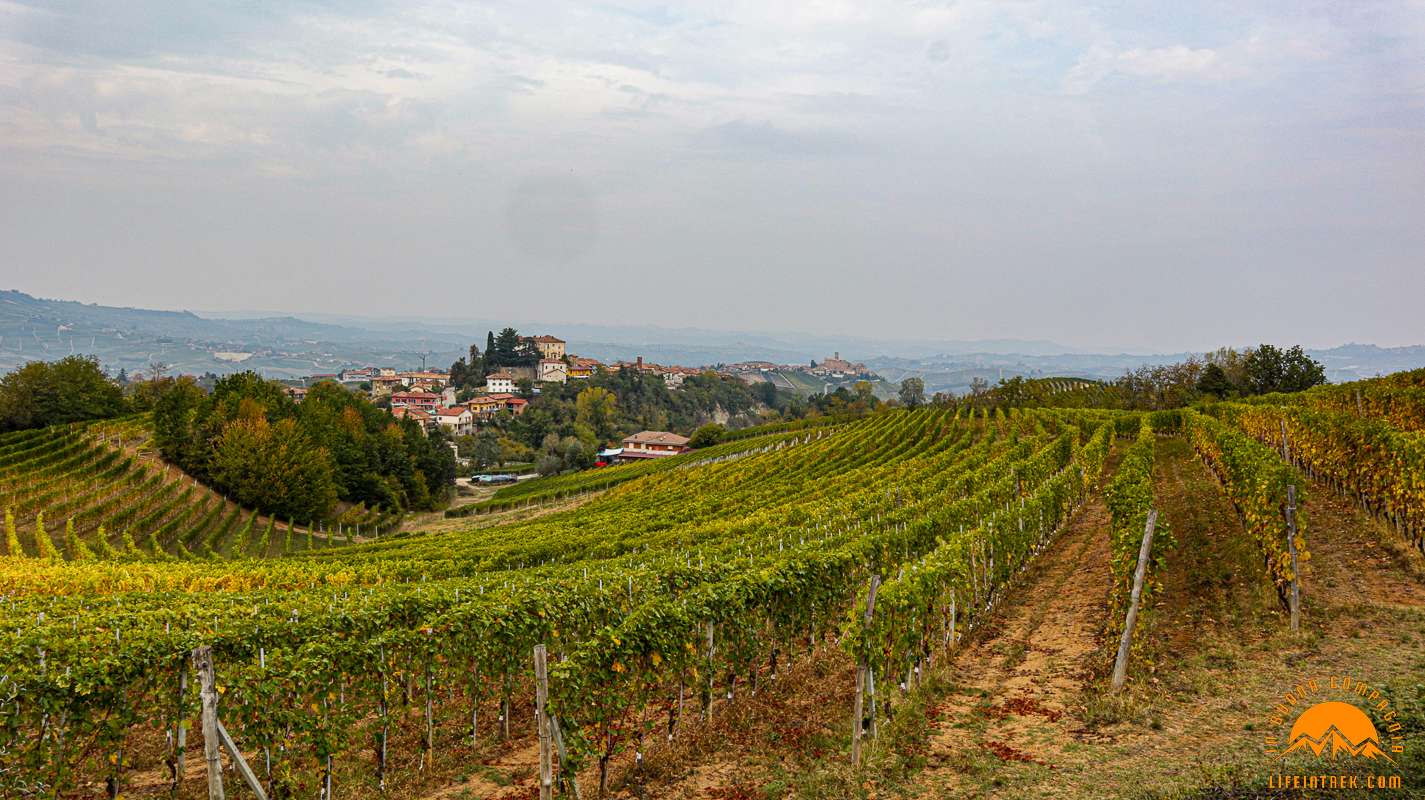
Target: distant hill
x=33, y=328
x=282, y=345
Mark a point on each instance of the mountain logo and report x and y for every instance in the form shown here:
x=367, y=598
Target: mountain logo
x=1335, y=729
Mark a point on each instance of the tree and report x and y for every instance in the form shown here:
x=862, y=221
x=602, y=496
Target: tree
x=1269, y=369
x=707, y=436
x=507, y=347
x=912, y=392
x=72, y=389
x=597, y=408
x=492, y=353
x=1214, y=381
x=487, y=448
x=274, y=468
x=865, y=392
x=1301, y=371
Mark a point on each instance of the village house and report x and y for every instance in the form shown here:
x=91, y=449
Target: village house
x=382, y=385
x=416, y=414
x=548, y=347
x=553, y=370
x=297, y=393
x=491, y=404
x=457, y=420
x=499, y=382
x=361, y=375
x=582, y=368
x=425, y=381
x=424, y=401
x=652, y=444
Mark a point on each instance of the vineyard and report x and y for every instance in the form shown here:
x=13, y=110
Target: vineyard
x=673, y=589
x=99, y=491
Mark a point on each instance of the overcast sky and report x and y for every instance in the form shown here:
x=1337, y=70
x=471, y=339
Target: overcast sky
x=1161, y=175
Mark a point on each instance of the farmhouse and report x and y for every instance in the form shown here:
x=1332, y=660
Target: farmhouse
x=653, y=444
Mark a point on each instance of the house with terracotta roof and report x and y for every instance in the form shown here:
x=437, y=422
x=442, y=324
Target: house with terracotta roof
x=553, y=370
x=582, y=368
x=457, y=420
x=653, y=444
x=406, y=412
x=426, y=381
x=489, y=405
x=500, y=382
x=548, y=346
x=425, y=401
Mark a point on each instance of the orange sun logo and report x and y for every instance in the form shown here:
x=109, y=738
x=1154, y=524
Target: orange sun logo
x=1334, y=728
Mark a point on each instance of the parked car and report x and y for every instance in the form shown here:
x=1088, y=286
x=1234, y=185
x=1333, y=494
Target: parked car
x=495, y=478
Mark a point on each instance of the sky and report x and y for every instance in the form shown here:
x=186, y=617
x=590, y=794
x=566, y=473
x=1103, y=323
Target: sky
x=1152, y=175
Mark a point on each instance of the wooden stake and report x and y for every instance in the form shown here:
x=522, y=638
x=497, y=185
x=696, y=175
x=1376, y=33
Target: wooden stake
x=203, y=665
x=1295, y=603
x=1120, y=664
x=858, y=712
x=246, y=772
x=180, y=734
x=541, y=722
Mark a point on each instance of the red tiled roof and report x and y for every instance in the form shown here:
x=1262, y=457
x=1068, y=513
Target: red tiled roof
x=657, y=437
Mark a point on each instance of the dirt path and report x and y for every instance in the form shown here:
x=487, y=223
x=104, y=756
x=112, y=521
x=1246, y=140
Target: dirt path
x=1354, y=561
x=1218, y=656
x=1019, y=679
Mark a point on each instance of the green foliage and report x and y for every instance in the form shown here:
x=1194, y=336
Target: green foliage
x=597, y=408
x=250, y=441
x=707, y=436
x=44, y=545
x=74, y=548
x=73, y=389
x=12, y=536
x=1269, y=369
x=1129, y=497
x=274, y=467
x=912, y=392
x=1256, y=480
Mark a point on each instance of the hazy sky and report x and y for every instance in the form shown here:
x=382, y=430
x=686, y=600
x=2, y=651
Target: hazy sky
x=1162, y=174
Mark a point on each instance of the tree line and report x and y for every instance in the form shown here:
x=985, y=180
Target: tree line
x=249, y=440
x=1223, y=374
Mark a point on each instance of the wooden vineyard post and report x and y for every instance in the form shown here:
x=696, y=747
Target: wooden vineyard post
x=858, y=713
x=1291, y=549
x=541, y=723
x=180, y=732
x=203, y=665
x=1120, y=664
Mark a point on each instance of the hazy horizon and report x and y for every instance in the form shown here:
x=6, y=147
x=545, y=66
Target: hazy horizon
x=856, y=345
x=1157, y=178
